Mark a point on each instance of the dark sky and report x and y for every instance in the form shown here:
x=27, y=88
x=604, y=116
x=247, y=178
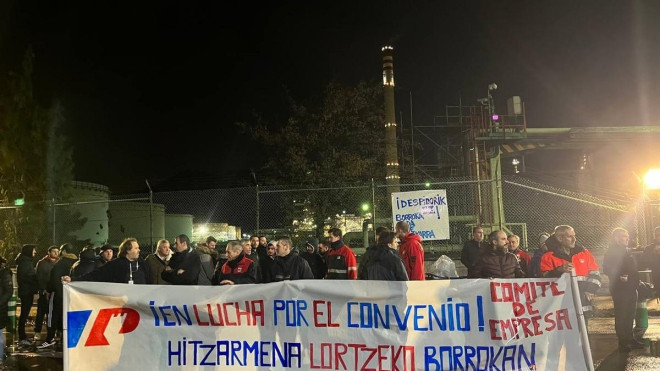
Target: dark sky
x=152, y=89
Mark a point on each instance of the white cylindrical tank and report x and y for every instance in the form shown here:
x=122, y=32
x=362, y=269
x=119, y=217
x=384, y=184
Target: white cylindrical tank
x=176, y=224
x=132, y=219
x=85, y=216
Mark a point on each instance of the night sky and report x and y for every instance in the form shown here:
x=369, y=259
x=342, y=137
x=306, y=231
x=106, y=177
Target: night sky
x=152, y=89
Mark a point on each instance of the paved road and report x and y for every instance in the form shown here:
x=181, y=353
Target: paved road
x=602, y=340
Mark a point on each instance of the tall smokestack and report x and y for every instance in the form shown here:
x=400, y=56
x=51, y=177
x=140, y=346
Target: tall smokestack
x=391, y=151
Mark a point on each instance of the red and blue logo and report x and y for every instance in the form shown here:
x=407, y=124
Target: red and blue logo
x=77, y=320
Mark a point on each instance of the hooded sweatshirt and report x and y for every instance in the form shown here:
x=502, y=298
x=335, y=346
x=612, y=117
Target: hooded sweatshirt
x=26, y=275
x=314, y=259
x=412, y=255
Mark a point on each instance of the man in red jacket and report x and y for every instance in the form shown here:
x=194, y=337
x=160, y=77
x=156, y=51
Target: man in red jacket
x=411, y=251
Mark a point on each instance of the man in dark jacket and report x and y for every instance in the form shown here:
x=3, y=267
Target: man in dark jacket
x=314, y=259
x=496, y=261
x=473, y=248
x=184, y=266
x=127, y=268
x=85, y=264
x=158, y=261
x=44, y=266
x=288, y=265
x=619, y=265
x=238, y=269
x=382, y=262
x=26, y=278
x=105, y=255
x=61, y=269
x=6, y=291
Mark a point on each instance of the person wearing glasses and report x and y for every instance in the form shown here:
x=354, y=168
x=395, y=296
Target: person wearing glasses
x=127, y=268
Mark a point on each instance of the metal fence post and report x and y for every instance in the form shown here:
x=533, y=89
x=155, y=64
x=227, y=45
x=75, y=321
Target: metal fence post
x=373, y=207
x=54, y=213
x=257, y=232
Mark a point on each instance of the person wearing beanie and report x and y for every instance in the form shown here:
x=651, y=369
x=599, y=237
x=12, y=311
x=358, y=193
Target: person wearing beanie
x=26, y=278
x=106, y=253
x=314, y=259
x=85, y=264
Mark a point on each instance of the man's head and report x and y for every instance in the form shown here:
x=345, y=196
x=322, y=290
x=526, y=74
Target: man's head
x=263, y=241
x=380, y=230
x=129, y=249
x=29, y=250
x=324, y=246
x=53, y=252
x=254, y=242
x=181, y=243
x=390, y=239
x=514, y=242
x=334, y=234
x=270, y=248
x=498, y=241
x=247, y=247
x=402, y=229
x=163, y=247
x=283, y=247
x=478, y=234
x=311, y=245
x=566, y=236
x=620, y=237
x=234, y=250
x=107, y=253
x=211, y=242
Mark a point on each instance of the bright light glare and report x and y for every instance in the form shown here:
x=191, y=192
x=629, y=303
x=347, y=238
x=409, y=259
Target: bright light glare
x=365, y=207
x=203, y=229
x=652, y=179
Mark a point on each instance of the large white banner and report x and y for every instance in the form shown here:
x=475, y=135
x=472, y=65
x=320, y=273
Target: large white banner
x=524, y=324
x=426, y=211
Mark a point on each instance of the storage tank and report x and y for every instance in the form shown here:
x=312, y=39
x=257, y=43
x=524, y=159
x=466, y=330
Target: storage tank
x=131, y=219
x=85, y=217
x=176, y=224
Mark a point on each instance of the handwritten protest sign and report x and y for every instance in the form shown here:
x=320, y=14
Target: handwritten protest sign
x=526, y=324
x=426, y=211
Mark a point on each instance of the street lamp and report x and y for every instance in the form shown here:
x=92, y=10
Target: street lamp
x=365, y=207
x=651, y=196
x=652, y=180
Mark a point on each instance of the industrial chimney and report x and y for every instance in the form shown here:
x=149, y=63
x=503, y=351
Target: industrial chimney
x=391, y=151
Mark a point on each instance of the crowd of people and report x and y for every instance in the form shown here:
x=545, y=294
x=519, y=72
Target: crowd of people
x=397, y=255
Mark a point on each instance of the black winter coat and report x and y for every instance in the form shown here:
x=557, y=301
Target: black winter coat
x=492, y=264
x=380, y=262
x=119, y=271
x=316, y=264
x=26, y=275
x=61, y=268
x=86, y=264
x=189, y=262
x=6, y=290
x=290, y=267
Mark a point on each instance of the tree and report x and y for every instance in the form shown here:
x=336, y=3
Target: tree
x=339, y=144
x=35, y=161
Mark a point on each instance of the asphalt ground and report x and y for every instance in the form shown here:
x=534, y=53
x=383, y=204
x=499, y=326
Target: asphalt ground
x=602, y=339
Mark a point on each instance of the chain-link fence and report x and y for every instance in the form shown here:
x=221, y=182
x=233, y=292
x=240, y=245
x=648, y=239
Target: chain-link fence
x=96, y=217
